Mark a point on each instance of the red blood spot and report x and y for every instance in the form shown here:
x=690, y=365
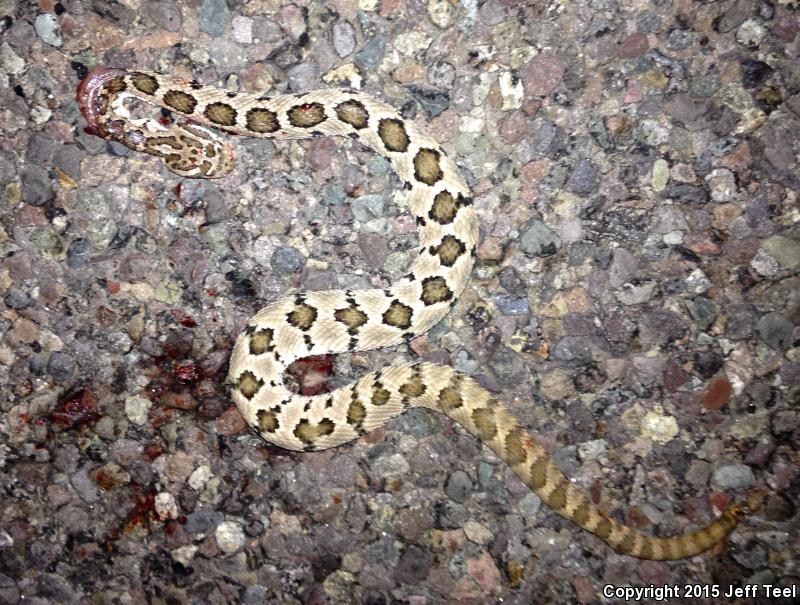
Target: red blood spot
x=312, y=373
x=153, y=451
x=182, y=400
x=185, y=371
x=184, y=319
x=78, y=410
x=155, y=389
x=717, y=394
x=719, y=501
x=160, y=416
x=142, y=512
x=104, y=480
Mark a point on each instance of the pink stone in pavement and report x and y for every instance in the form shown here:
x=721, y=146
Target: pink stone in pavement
x=424, y=349
x=389, y=7
x=584, y=589
x=514, y=127
x=256, y=78
x=403, y=224
x=291, y=21
x=230, y=422
x=738, y=159
x=683, y=173
x=485, y=573
x=536, y=170
x=700, y=244
x=786, y=24
x=633, y=46
x=490, y=249
x=542, y=75
x=653, y=572
x=633, y=92
x=321, y=153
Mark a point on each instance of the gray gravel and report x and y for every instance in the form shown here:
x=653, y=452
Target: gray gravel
x=635, y=302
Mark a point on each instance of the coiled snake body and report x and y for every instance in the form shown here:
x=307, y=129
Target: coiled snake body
x=335, y=321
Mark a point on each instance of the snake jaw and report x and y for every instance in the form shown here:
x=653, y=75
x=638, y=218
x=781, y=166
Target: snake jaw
x=92, y=98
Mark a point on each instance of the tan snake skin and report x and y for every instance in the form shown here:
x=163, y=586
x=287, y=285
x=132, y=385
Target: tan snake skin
x=315, y=323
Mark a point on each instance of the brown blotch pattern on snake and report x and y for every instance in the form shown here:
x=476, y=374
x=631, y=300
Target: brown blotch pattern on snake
x=309, y=433
x=398, y=315
x=448, y=250
x=426, y=166
x=581, y=514
x=393, y=134
x=603, y=529
x=267, y=421
x=116, y=85
x=354, y=113
x=306, y=115
x=515, y=449
x=485, y=425
x=450, y=398
x=380, y=396
x=144, y=83
x=180, y=101
x=444, y=208
x=221, y=113
x=413, y=387
x=356, y=411
x=261, y=120
x=538, y=472
x=249, y=384
x=435, y=290
x=302, y=317
x=261, y=341
x=352, y=317
x=557, y=500
x=169, y=141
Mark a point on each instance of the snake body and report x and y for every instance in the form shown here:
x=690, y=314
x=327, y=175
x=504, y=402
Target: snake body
x=328, y=322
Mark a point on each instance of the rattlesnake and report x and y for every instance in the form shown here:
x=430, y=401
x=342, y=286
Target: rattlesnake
x=327, y=322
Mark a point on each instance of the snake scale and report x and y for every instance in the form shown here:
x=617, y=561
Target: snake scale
x=328, y=322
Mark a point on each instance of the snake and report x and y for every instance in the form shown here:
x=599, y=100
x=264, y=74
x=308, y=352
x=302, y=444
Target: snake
x=331, y=322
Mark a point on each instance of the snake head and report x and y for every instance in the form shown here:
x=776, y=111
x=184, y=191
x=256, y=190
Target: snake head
x=93, y=95
x=193, y=151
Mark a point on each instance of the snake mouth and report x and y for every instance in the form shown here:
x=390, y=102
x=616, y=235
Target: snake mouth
x=92, y=96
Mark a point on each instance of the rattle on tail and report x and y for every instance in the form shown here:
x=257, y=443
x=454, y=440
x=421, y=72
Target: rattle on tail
x=334, y=321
